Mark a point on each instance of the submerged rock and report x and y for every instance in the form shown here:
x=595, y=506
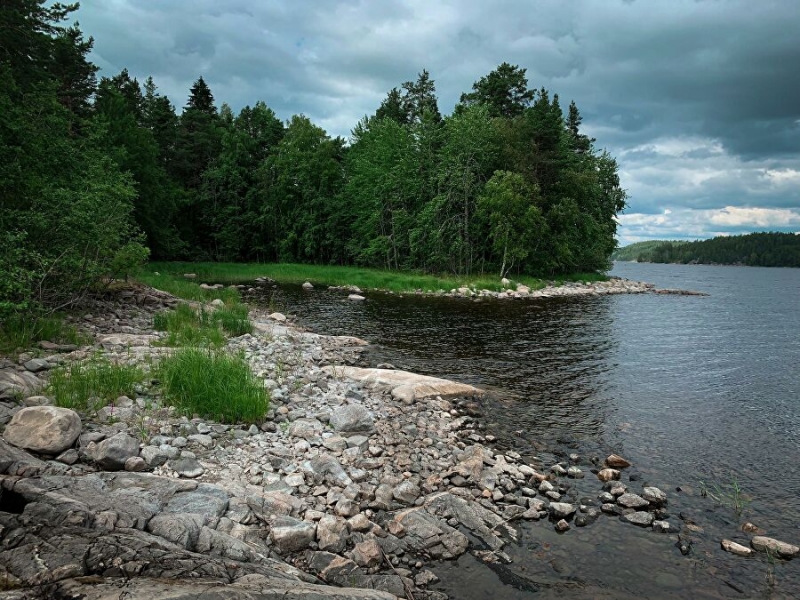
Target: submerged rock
x=608, y=475
x=763, y=544
x=617, y=462
x=734, y=548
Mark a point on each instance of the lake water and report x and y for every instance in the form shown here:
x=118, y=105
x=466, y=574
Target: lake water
x=695, y=391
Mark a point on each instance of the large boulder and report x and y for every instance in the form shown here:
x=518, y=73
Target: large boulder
x=14, y=383
x=44, y=429
x=352, y=418
x=292, y=535
x=112, y=452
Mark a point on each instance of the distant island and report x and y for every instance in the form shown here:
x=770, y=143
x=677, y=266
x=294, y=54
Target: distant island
x=769, y=249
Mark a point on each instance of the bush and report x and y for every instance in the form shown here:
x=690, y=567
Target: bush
x=213, y=385
x=75, y=385
x=23, y=331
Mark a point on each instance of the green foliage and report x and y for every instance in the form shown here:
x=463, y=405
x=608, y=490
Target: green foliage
x=187, y=326
x=730, y=495
x=19, y=331
x=754, y=250
x=213, y=385
x=87, y=169
x=92, y=384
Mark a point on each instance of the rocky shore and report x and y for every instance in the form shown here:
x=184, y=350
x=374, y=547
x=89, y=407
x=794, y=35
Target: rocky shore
x=356, y=484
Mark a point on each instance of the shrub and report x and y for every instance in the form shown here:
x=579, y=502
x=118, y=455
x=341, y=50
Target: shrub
x=213, y=385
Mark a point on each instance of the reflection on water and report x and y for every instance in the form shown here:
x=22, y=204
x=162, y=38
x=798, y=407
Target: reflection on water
x=690, y=388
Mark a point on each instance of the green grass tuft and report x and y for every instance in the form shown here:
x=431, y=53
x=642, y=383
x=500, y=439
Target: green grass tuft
x=213, y=385
x=78, y=385
x=376, y=279
x=21, y=333
x=189, y=289
x=186, y=326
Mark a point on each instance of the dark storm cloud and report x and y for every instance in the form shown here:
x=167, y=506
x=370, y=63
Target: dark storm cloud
x=699, y=100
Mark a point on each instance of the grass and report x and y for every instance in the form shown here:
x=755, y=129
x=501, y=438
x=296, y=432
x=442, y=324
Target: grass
x=395, y=281
x=213, y=385
x=176, y=284
x=92, y=384
x=730, y=495
x=19, y=332
x=186, y=326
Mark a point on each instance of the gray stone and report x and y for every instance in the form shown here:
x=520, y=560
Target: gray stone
x=112, y=452
x=153, y=456
x=561, y=510
x=332, y=533
x=44, y=429
x=274, y=503
x=631, y=501
x=663, y=527
x=186, y=467
x=37, y=401
x=308, y=286
x=37, y=364
x=326, y=468
x=15, y=383
x=306, y=428
x=208, y=501
x=654, y=496
x=640, y=518
x=201, y=438
x=135, y=464
x=292, y=535
x=356, y=298
x=68, y=457
x=406, y=492
x=562, y=526
x=367, y=554
x=352, y=418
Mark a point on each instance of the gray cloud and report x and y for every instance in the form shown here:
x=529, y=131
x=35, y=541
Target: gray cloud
x=699, y=100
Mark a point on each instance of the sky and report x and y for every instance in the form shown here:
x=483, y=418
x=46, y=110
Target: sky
x=699, y=100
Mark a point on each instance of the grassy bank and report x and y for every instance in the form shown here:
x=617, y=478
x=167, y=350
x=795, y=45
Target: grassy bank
x=367, y=279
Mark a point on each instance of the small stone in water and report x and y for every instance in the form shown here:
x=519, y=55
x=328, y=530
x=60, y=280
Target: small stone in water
x=608, y=475
x=562, y=526
x=734, y=548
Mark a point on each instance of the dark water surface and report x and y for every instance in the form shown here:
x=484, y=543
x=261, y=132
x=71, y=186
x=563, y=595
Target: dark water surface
x=690, y=389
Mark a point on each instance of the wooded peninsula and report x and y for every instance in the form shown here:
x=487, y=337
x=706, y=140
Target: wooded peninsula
x=773, y=249
x=98, y=176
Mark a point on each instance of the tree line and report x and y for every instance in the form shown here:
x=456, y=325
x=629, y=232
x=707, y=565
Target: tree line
x=96, y=175
x=766, y=249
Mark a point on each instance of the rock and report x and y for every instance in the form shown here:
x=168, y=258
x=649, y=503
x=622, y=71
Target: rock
x=360, y=522
x=292, y=535
x=153, y=456
x=424, y=578
x=135, y=464
x=217, y=303
x=608, y=475
x=279, y=317
x=267, y=505
x=17, y=383
x=654, y=496
x=186, y=467
x=562, y=526
x=483, y=523
x=574, y=473
x=561, y=510
x=307, y=286
x=505, y=282
x=631, y=501
x=356, y=298
x=406, y=492
x=663, y=527
x=68, y=457
x=352, y=418
x=407, y=387
x=44, y=429
x=345, y=507
x=755, y=529
x=617, y=462
x=426, y=533
x=37, y=364
x=325, y=468
x=306, y=428
x=190, y=275
x=37, y=401
x=734, y=548
x=640, y=518
x=763, y=544
x=112, y=452
x=332, y=533
x=367, y=553
x=587, y=518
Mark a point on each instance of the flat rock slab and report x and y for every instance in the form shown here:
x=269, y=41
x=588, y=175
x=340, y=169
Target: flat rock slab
x=126, y=340
x=406, y=386
x=783, y=549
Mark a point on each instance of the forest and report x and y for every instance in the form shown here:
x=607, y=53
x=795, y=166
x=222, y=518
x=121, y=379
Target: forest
x=767, y=249
x=99, y=174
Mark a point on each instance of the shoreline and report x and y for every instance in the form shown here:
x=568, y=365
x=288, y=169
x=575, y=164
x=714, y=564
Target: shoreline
x=379, y=505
